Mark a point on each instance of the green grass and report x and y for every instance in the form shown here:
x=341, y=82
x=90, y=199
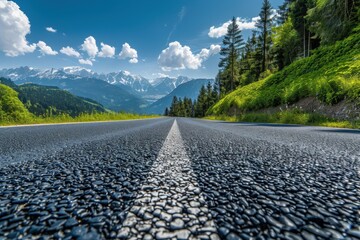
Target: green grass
x=109, y=116
x=288, y=117
x=331, y=74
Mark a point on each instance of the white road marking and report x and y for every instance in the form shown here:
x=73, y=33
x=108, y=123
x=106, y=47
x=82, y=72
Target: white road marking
x=169, y=204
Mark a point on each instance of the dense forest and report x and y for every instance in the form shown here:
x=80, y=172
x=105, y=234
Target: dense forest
x=185, y=107
x=284, y=37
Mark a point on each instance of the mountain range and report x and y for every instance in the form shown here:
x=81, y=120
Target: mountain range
x=118, y=91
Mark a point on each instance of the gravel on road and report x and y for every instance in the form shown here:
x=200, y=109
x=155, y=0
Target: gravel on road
x=179, y=179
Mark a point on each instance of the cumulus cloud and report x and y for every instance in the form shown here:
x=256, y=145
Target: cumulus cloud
x=177, y=57
x=45, y=49
x=85, y=62
x=50, y=29
x=217, y=32
x=90, y=47
x=128, y=52
x=106, y=51
x=14, y=26
x=69, y=51
x=133, y=60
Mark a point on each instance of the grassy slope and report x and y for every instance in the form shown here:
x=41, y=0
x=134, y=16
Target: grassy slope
x=331, y=74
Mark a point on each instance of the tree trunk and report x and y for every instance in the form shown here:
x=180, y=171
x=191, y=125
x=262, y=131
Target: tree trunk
x=304, y=40
x=232, y=74
x=264, y=44
x=309, y=43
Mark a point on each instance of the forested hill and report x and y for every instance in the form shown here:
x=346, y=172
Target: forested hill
x=305, y=55
x=330, y=75
x=51, y=101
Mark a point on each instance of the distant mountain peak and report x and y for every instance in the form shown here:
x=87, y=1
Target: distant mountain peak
x=134, y=84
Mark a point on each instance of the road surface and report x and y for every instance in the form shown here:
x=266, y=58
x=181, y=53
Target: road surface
x=179, y=179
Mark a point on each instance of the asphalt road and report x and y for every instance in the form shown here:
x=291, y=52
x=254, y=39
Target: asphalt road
x=179, y=179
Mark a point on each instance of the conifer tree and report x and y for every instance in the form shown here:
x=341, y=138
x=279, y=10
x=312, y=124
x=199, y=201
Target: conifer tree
x=166, y=112
x=230, y=52
x=264, y=25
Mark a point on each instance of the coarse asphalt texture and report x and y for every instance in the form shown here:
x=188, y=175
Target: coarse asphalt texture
x=179, y=178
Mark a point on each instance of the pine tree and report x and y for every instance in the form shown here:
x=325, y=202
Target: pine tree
x=298, y=13
x=283, y=12
x=209, y=101
x=166, y=112
x=200, y=108
x=264, y=24
x=174, y=107
x=230, y=52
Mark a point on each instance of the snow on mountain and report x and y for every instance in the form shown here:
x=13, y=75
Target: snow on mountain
x=134, y=83
x=168, y=84
x=79, y=71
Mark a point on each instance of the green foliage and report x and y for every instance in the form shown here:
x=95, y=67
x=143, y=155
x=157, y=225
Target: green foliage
x=331, y=74
x=286, y=44
x=11, y=108
x=333, y=20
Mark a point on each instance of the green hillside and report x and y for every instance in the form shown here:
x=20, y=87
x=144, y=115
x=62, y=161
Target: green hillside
x=48, y=100
x=11, y=108
x=43, y=100
x=331, y=74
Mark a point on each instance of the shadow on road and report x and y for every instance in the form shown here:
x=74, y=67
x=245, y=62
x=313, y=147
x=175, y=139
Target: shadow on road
x=349, y=131
x=264, y=124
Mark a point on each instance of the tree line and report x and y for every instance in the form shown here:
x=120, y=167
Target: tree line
x=281, y=37
x=186, y=107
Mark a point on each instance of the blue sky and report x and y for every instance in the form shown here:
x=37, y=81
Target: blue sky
x=177, y=32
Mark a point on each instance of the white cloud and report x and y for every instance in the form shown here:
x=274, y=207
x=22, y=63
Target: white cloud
x=177, y=57
x=128, y=52
x=14, y=26
x=89, y=46
x=133, y=60
x=50, y=29
x=69, y=51
x=45, y=49
x=85, y=62
x=217, y=32
x=106, y=51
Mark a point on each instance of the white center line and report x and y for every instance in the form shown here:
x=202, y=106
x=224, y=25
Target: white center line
x=169, y=204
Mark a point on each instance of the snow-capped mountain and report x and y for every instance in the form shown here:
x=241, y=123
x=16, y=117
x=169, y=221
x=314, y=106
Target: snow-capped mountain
x=25, y=73
x=168, y=84
x=18, y=73
x=137, y=83
x=78, y=71
x=134, y=83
